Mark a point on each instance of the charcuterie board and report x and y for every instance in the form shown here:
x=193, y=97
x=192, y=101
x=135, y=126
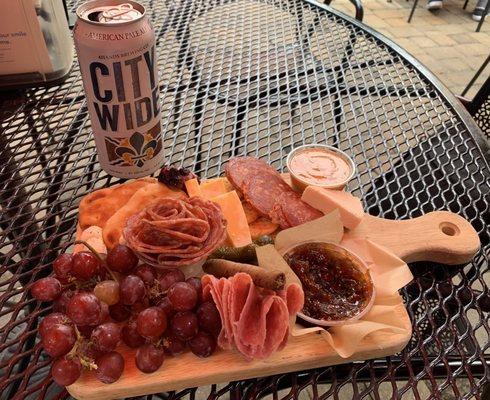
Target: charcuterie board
x=179, y=282
x=438, y=236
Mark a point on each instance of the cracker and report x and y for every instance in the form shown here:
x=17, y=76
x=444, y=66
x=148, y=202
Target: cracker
x=112, y=231
x=97, y=207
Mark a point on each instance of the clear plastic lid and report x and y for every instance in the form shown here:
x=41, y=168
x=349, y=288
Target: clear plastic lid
x=36, y=45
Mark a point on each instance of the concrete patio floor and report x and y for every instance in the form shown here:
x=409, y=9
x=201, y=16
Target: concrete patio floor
x=444, y=41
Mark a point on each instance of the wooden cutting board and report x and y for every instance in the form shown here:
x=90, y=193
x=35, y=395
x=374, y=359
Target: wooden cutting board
x=187, y=370
x=439, y=236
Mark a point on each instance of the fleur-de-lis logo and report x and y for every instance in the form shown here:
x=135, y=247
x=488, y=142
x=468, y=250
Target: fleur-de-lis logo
x=133, y=151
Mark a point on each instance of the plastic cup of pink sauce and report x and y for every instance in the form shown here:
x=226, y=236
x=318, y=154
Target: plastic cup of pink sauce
x=319, y=165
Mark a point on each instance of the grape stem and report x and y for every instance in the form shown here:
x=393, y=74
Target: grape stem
x=94, y=252
x=75, y=352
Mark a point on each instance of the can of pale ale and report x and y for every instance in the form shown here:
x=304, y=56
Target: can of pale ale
x=115, y=43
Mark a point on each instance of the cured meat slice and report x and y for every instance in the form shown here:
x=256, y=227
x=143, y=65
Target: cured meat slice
x=225, y=338
x=267, y=192
x=239, y=169
x=262, y=192
x=176, y=232
x=277, y=326
x=250, y=212
x=259, y=319
x=248, y=322
x=218, y=291
x=296, y=211
x=294, y=297
x=278, y=217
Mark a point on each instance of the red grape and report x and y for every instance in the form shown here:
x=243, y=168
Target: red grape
x=131, y=290
x=169, y=277
x=52, y=319
x=184, y=325
x=166, y=306
x=46, y=289
x=121, y=259
x=209, y=318
x=149, y=358
x=151, y=323
x=106, y=337
x=86, y=330
x=63, y=265
x=104, y=313
x=146, y=273
x=110, y=367
x=108, y=292
x=119, y=312
x=174, y=346
x=139, y=306
x=58, y=339
x=130, y=335
x=182, y=296
x=61, y=302
x=85, y=265
x=84, y=309
x=195, y=282
x=66, y=371
x=203, y=344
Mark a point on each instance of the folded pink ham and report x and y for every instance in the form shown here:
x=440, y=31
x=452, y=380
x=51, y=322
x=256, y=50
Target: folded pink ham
x=255, y=320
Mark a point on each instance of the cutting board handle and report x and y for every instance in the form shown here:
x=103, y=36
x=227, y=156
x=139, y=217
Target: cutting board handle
x=439, y=236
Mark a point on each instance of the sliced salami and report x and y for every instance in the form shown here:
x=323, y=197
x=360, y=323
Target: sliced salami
x=240, y=169
x=295, y=210
x=259, y=319
x=262, y=192
x=173, y=232
x=267, y=192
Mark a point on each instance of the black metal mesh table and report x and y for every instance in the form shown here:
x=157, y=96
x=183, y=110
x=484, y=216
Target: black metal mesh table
x=257, y=78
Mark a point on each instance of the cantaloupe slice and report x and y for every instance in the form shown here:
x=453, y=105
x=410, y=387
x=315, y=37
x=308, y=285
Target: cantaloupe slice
x=237, y=226
x=327, y=200
x=261, y=227
x=213, y=187
x=193, y=188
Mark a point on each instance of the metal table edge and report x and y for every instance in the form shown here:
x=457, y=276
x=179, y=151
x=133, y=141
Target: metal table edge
x=449, y=96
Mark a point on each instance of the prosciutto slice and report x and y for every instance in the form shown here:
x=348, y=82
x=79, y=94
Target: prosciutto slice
x=254, y=320
x=176, y=232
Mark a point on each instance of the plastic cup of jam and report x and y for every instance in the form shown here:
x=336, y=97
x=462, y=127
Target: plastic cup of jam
x=319, y=165
x=337, y=285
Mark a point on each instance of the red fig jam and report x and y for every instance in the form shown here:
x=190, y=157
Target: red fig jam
x=336, y=285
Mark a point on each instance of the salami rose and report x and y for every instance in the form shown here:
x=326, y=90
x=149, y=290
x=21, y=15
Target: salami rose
x=174, y=232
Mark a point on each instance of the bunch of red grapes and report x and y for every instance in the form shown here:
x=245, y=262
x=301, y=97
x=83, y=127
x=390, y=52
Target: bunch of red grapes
x=99, y=303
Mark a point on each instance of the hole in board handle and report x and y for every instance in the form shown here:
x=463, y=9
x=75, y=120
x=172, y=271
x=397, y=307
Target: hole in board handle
x=449, y=229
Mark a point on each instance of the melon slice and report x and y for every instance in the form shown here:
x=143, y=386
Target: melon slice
x=237, y=226
x=193, y=188
x=213, y=187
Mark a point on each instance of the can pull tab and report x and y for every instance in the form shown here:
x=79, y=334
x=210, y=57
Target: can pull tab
x=122, y=12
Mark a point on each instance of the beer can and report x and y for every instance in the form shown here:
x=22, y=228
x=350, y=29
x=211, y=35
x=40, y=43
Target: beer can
x=115, y=43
